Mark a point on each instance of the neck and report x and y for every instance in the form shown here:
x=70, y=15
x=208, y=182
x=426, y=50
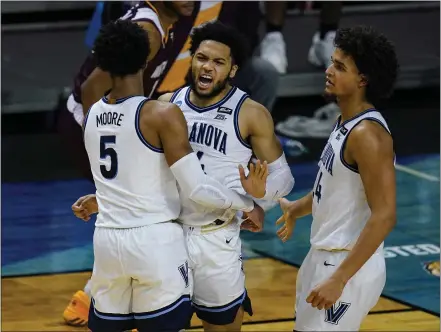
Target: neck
x=167, y=17
x=206, y=102
x=351, y=106
x=126, y=86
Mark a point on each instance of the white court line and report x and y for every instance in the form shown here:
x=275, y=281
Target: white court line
x=416, y=173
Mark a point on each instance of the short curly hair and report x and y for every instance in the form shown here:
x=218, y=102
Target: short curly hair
x=225, y=34
x=375, y=58
x=121, y=48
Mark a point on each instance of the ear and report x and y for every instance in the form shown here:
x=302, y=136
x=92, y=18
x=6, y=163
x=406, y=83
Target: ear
x=363, y=81
x=233, y=71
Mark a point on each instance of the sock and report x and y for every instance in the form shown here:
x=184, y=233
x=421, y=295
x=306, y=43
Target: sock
x=325, y=28
x=273, y=28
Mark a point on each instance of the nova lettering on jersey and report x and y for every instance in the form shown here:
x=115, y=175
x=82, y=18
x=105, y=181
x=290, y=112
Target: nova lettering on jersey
x=327, y=157
x=209, y=135
x=109, y=118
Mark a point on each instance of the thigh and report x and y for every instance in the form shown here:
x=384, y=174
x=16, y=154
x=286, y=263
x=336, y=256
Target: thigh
x=359, y=295
x=110, y=288
x=219, y=279
x=158, y=262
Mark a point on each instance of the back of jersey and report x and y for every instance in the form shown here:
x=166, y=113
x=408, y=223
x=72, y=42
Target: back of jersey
x=134, y=184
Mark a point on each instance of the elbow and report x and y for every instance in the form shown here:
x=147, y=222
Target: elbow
x=388, y=220
x=290, y=186
x=392, y=221
x=286, y=187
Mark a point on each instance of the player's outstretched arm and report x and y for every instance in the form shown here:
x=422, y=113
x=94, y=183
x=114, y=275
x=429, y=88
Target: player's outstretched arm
x=169, y=122
x=371, y=147
x=291, y=211
x=256, y=123
x=99, y=81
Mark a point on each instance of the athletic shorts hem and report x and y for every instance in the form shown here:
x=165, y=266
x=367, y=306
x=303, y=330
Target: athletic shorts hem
x=225, y=314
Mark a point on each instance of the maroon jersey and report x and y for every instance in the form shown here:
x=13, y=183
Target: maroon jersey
x=172, y=41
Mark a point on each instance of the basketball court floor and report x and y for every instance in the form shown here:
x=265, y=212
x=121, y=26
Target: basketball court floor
x=47, y=255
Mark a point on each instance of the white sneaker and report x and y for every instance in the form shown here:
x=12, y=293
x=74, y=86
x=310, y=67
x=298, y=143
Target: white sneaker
x=321, y=51
x=318, y=126
x=273, y=49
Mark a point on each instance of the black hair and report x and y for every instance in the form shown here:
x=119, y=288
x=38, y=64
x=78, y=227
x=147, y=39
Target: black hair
x=224, y=34
x=375, y=58
x=121, y=48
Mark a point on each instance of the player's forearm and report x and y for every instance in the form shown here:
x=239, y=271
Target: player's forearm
x=204, y=190
x=280, y=180
x=374, y=233
x=302, y=206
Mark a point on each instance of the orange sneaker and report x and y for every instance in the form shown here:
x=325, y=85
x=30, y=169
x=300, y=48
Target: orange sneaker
x=77, y=312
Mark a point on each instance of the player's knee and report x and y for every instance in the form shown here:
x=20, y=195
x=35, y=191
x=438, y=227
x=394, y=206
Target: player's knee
x=226, y=314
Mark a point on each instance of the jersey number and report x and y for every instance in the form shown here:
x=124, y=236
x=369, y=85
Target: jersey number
x=318, y=188
x=106, y=151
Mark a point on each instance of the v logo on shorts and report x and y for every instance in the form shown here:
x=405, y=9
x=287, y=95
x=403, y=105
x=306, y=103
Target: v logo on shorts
x=183, y=270
x=334, y=314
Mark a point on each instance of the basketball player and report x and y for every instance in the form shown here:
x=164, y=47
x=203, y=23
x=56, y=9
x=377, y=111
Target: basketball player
x=225, y=128
x=353, y=198
x=168, y=24
x=138, y=149
x=91, y=83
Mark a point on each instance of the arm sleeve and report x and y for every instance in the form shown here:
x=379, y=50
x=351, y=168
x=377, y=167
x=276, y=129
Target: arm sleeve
x=204, y=190
x=280, y=180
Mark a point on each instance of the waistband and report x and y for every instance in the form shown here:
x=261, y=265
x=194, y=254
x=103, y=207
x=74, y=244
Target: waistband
x=212, y=227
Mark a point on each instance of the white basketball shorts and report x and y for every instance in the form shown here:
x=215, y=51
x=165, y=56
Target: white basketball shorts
x=360, y=294
x=140, y=279
x=215, y=258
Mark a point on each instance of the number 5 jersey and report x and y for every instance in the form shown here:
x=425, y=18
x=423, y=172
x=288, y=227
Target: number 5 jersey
x=134, y=184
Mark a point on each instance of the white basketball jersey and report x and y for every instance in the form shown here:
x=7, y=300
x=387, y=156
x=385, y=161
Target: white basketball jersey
x=214, y=136
x=134, y=184
x=340, y=209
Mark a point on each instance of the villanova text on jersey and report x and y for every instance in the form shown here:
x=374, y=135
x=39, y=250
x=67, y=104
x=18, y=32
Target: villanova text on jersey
x=327, y=157
x=209, y=135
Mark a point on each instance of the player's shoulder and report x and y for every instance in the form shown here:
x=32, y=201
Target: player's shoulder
x=255, y=113
x=150, y=27
x=158, y=113
x=166, y=97
x=369, y=128
x=370, y=134
x=254, y=108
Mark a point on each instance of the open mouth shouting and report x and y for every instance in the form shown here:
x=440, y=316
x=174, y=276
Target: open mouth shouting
x=205, y=81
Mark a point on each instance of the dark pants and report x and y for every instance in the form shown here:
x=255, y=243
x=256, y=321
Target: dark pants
x=72, y=135
x=260, y=80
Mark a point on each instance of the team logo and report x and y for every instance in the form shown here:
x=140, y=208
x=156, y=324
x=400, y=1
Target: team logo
x=344, y=131
x=178, y=103
x=225, y=110
x=432, y=268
